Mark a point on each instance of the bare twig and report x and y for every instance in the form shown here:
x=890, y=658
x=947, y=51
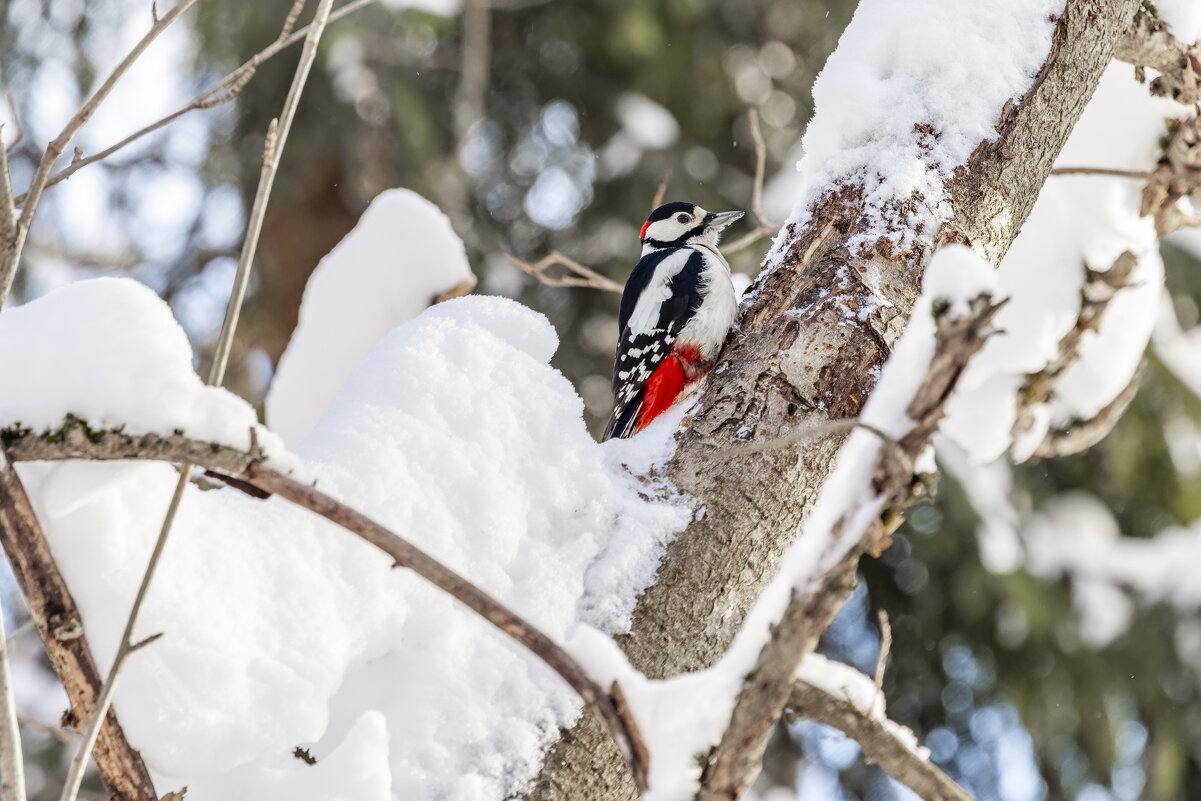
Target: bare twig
x=246, y=468
x=16, y=118
x=579, y=274
x=885, y=647
x=764, y=226
x=11, y=247
x=57, y=732
x=223, y=91
x=58, y=622
x=879, y=743
x=12, y=764
x=661, y=192
x=277, y=134
x=19, y=630
x=1142, y=175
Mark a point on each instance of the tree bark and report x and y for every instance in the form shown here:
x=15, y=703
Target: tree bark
x=58, y=622
x=790, y=372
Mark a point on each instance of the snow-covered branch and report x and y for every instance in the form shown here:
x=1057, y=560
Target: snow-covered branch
x=841, y=697
x=884, y=185
x=248, y=470
x=1151, y=44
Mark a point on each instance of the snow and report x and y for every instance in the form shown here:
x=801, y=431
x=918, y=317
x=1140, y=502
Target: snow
x=1077, y=222
x=1178, y=349
x=282, y=630
x=674, y=726
x=1074, y=534
x=405, y=250
x=939, y=63
x=847, y=684
x=80, y=349
x=1183, y=18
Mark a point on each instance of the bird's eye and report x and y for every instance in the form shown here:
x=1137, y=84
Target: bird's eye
x=683, y=218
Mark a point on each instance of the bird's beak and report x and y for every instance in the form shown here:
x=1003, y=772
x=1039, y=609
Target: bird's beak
x=718, y=221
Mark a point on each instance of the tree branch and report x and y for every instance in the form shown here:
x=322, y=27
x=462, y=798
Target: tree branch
x=738, y=758
x=806, y=353
x=58, y=621
x=11, y=246
x=249, y=469
x=1150, y=44
x=878, y=740
x=220, y=93
x=12, y=763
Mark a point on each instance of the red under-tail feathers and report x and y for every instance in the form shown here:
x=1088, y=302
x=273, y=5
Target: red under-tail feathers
x=667, y=383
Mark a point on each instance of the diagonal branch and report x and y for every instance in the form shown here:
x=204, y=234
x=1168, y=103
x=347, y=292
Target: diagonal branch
x=220, y=93
x=878, y=740
x=277, y=135
x=241, y=469
x=11, y=246
x=1151, y=44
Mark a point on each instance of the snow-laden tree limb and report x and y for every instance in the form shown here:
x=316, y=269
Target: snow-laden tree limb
x=249, y=471
x=58, y=621
x=822, y=319
x=878, y=737
x=1151, y=44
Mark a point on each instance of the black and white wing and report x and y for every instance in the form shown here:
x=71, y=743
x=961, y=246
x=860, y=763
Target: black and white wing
x=662, y=293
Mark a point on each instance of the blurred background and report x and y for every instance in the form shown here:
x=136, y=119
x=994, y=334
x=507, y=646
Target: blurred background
x=549, y=125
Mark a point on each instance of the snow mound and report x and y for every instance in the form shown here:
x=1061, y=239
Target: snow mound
x=109, y=352
x=405, y=253
x=909, y=93
x=282, y=630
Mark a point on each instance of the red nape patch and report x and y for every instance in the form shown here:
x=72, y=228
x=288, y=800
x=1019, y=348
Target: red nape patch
x=662, y=389
x=642, y=233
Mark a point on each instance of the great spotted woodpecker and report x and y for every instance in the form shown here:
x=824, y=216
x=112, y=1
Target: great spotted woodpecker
x=677, y=307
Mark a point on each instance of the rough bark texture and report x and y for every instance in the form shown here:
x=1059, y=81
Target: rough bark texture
x=61, y=628
x=801, y=361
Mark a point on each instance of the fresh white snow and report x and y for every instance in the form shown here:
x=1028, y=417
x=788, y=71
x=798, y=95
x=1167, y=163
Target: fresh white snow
x=404, y=253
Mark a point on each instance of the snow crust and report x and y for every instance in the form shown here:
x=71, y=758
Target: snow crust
x=109, y=352
x=1078, y=223
x=282, y=630
x=944, y=64
x=404, y=250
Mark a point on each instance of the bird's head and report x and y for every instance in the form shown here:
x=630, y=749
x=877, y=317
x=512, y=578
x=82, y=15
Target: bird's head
x=674, y=225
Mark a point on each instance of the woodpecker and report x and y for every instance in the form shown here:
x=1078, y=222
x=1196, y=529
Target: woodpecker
x=677, y=307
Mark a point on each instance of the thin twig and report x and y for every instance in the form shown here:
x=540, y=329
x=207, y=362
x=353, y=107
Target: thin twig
x=885, y=647
x=10, y=249
x=16, y=117
x=19, y=630
x=661, y=192
x=277, y=135
x=764, y=226
x=12, y=764
x=57, y=732
x=581, y=275
x=8, y=222
x=225, y=90
x=879, y=742
x=1141, y=175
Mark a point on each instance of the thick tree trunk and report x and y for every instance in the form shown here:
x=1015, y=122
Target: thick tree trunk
x=791, y=372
